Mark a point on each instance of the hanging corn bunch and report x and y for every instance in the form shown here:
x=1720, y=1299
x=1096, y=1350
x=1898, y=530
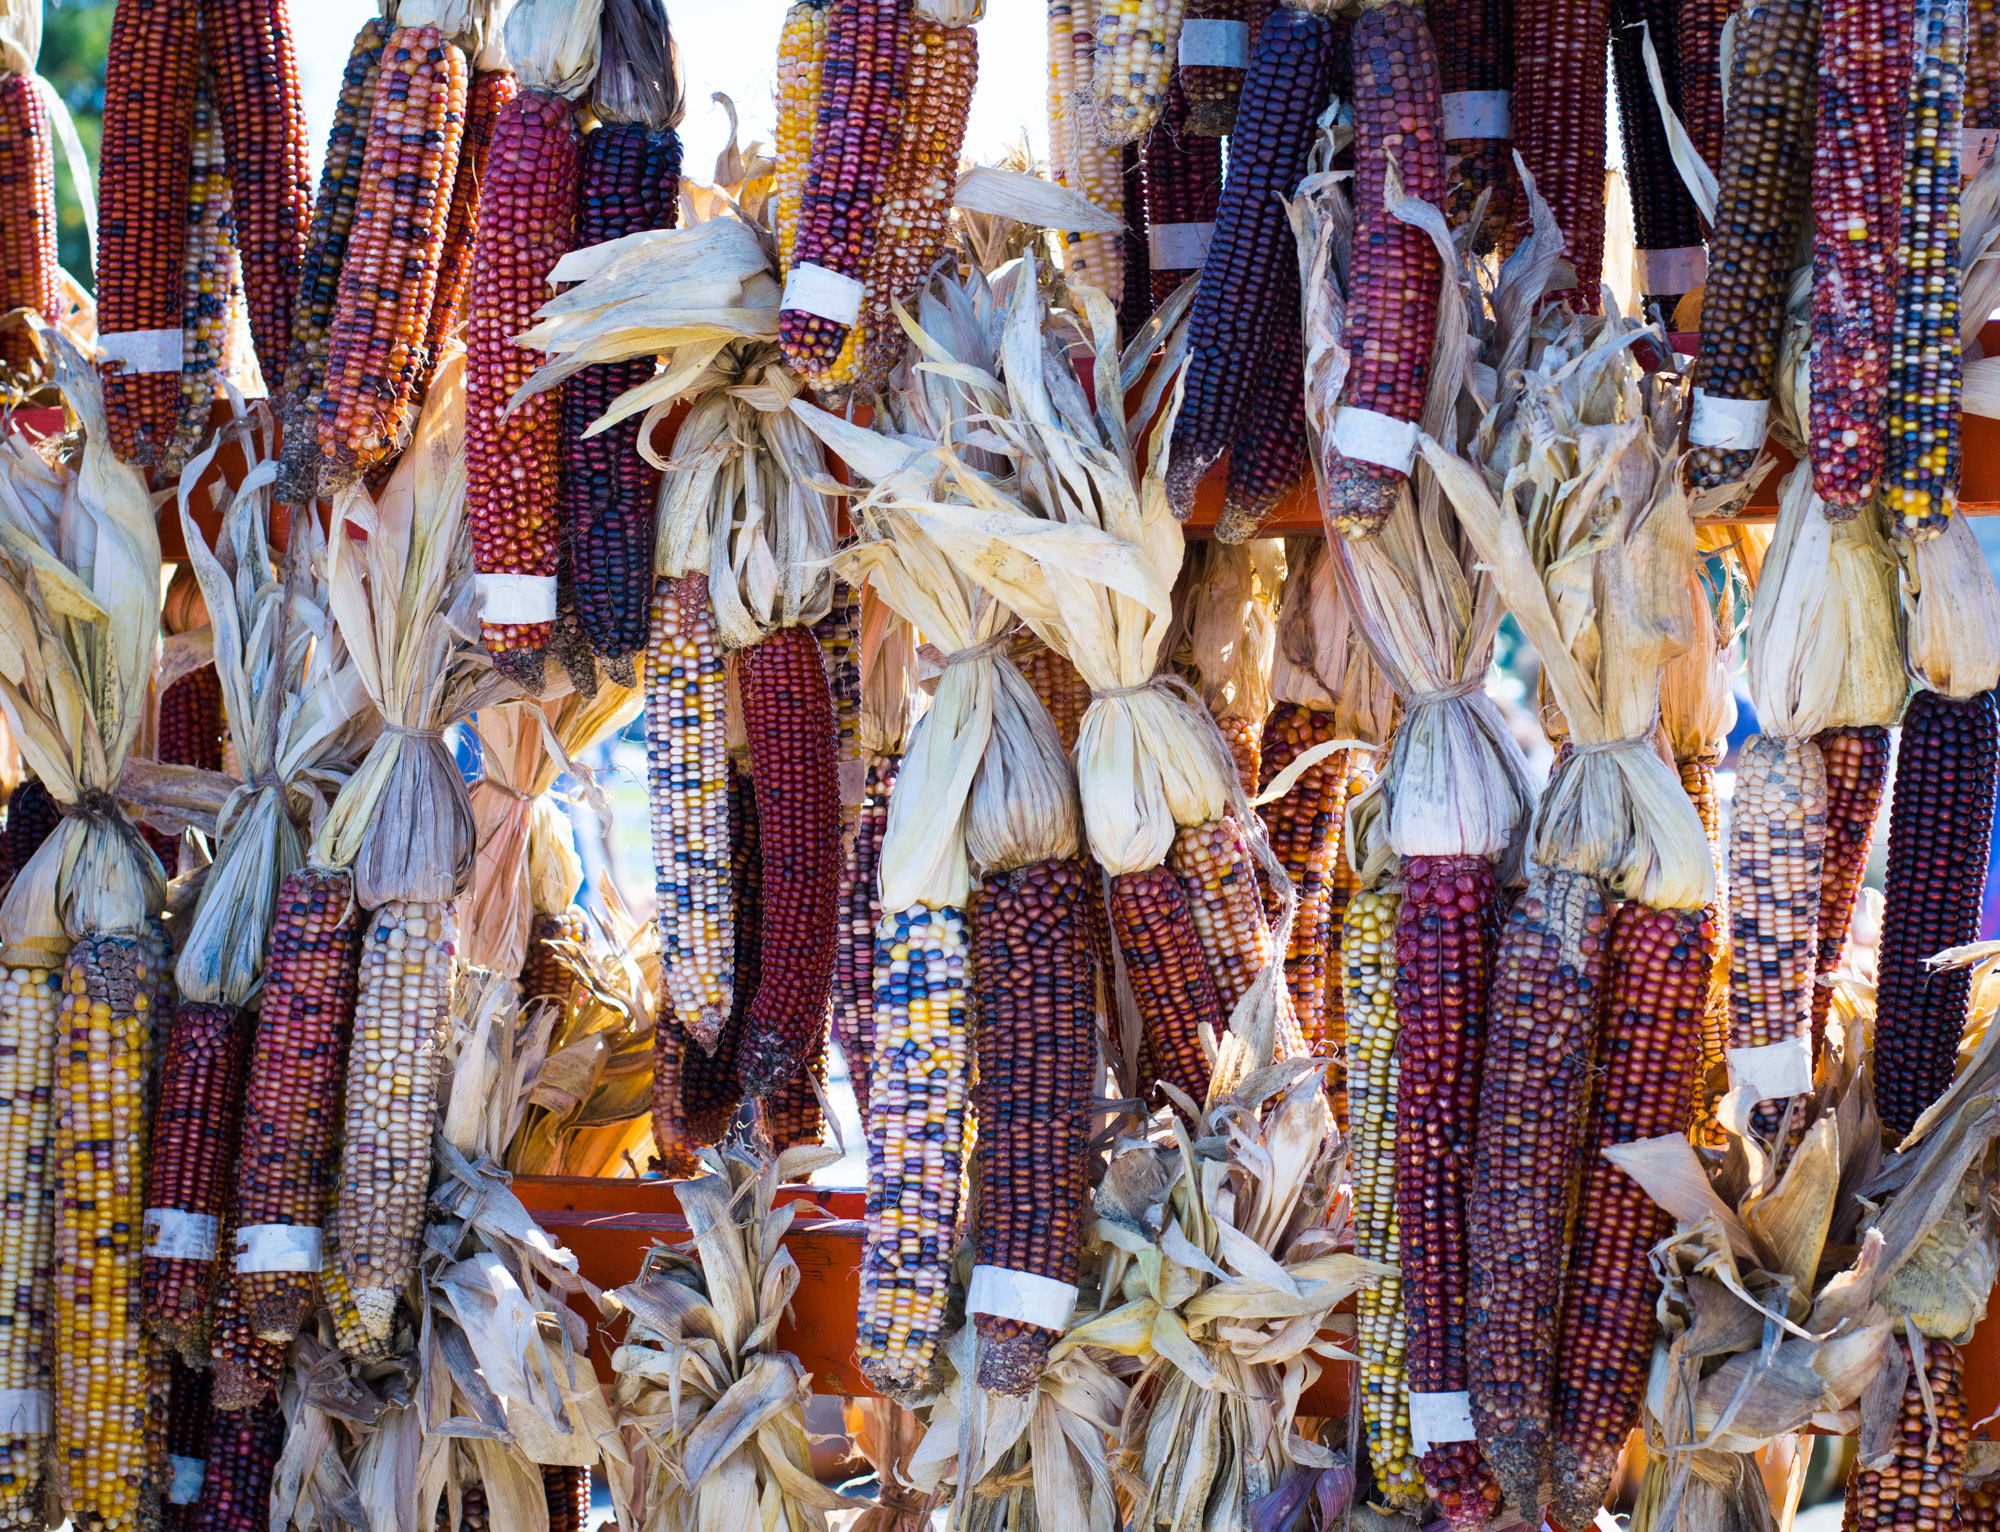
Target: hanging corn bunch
x=28, y=271
x=1475, y=58
x=1667, y=227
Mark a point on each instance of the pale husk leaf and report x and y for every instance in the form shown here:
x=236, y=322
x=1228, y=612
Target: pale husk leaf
x=1231, y=593
x=1953, y=611
x=891, y=699
x=20, y=36
x=553, y=44
x=1320, y=660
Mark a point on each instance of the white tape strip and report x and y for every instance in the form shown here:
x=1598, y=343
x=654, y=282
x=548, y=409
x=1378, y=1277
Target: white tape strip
x=142, y=350
x=1774, y=1071
x=815, y=290
x=1975, y=153
x=189, y=1475
x=1478, y=114
x=1727, y=422
x=1673, y=271
x=1215, y=44
x=1020, y=1295
x=516, y=597
x=278, y=1247
x=1439, y=1418
x=1178, y=246
x=1369, y=436
x=24, y=1411
x=1606, y=1522
x=174, y=1235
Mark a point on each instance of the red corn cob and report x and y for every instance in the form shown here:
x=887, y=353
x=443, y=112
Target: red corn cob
x=1171, y=985
x=1857, y=773
x=794, y=1113
x=1919, y=1486
x=1443, y=946
x=1183, y=184
x=194, y=1121
x=1558, y=111
x=264, y=128
x=243, y=1448
x=1663, y=212
x=794, y=758
x=192, y=722
x=490, y=91
x=28, y=201
x=708, y=1089
x=143, y=160
x=860, y=913
x=568, y=1492
x=513, y=465
x=1394, y=273
x=31, y=819
x=189, y=1417
x=1646, y=1054
x=1475, y=56
x=1698, y=68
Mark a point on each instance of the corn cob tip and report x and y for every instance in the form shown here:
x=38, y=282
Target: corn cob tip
x=1360, y=497
x=1012, y=1354
x=523, y=666
x=377, y=1308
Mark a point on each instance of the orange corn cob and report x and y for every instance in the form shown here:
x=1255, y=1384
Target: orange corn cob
x=1213, y=862
x=1305, y=830
x=1857, y=774
x=1918, y=1487
x=491, y=90
x=1171, y=985
x=27, y=213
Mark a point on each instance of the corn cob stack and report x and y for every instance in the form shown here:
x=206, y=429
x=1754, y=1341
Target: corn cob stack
x=860, y=913
x=1213, y=48
x=801, y=54
x=1558, y=121
x=1646, y=1056
x=32, y=817
x=490, y=91
x=1666, y=228
x=1864, y=80
x=27, y=184
x=1394, y=272
x=1475, y=68
x=30, y=999
x=1698, y=71
x=243, y=1448
x=1857, y=773
x=1920, y=455
x=1764, y=171
x=189, y=1415
x=1250, y=265
x=320, y=266
x=211, y=281
x=1919, y=1484
x=1137, y=45
x=1183, y=183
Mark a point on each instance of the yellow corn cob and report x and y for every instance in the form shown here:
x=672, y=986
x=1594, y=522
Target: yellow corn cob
x=338, y=1296
x=1095, y=169
x=1134, y=56
x=1368, y=979
x=405, y=998
x=801, y=52
x=30, y=1002
x=1213, y=864
x=1698, y=780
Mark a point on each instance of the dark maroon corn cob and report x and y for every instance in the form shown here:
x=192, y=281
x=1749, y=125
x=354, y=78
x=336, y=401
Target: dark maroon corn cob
x=629, y=181
x=1135, y=305
x=192, y=722
x=795, y=1113
x=188, y=1415
x=568, y=1492
x=1940, y=834
x=1558, y=119
x=860, y=913
x=1284, y=89
x=1698, y=69
x=1663, y=214
x=1857, y=774
x=1474, y=47
x=794, y=763
x=1444, y=935
x=1268, y=457
x=1183, y=183
x=32, y=817
x=243, y=1448
x=710, y=1091
x=1647, y=1051
x=1172, y=987
x=196, y=1116
x=246, y=1365
x=1034, y=995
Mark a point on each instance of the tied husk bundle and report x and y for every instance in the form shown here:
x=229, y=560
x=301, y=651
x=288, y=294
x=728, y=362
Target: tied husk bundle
x=399, y=578
x=527, y=863
x=79, y=628
x=710, y=1414
x=1320, y=660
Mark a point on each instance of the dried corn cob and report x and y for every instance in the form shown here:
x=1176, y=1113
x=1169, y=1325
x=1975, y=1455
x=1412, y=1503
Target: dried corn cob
x=1475, y=66
x=1698, y=781
x=866, y=66
x=1982, y=84
x=568, y=1492
x=1919, y=1485
x=1646, y=1054
x=1978, y=1507
x=1698, y=70
x=916, y=1144
x=1092, y=166
x=1268, y=457
x=788, y=715
x=1344, y=885
x=801, y=53
x=1137, y=43
x=629, y=181
x=860, y=913
x=211, y=283
x=247, y=1366
x=1035, y=999
x=194, y=1122
x=264, y=124
x=1214, y=46
x=192, y=722
x=1171, y=985
x=1183, y=182
x=31, y=999
x=32, y=817
x=149, y=90
x=1135, y=299
x=1940, y=829
x=1305, y=831
x=1443, y=957
x=28, y=187
x=243, y=1448
x=1548, y=991
x=292, y=1098
x=1864, y=73
x=708, y=1089
x=1058, y=687
x=1857, y=773
x=1227, y=910
x=190, y=1415
x=99, y=1152
x=489, y=93
x=1558, y=121
x=547, y=974
x=794, y=1113
x=1394, y=272
x=1666, y=229
x=320, y=267
x=1368, y=948
x=1250, y=258
x=389, y=272
x=337, y=1297
x=1764, y=170
x=1920, y=456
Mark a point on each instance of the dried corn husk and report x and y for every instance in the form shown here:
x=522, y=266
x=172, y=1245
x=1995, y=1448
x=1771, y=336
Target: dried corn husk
x=1320, y=660
x=553, y=44
x=892, y=699
x=1231, y=626
x=639, y=74
x=527, y=863
x=1697, y=707
x=403, y=596
x=1953, y=612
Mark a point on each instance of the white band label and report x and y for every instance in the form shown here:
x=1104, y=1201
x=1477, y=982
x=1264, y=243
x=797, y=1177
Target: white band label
x=1735, y=423
x=189, y=1475
x=1975, y=153
x=1774, y=1071
x=24, y=1411
x=813, y=289
x=174, y=1235
x=1673, y=271
x=1440, y=1418
x=1178, y=246
x=1478, y=114
x=1606, y=1522
x=142, y=350
x=278, y=1247
x=506, y=598
x=1020, y=1295
x=1369, y=436
x=1215, y=44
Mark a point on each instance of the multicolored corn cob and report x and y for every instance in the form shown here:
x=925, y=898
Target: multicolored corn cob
x=1558, y=110
x=1920, y=1484
x=1698, y=782
x=1666, y=228
x=28, y=198
x=1088, y=164
x=1344, y=886
x=1035, y=997
x=1251, y=259
x=794, y=762
x=1305, y=828
x=547, y=973
x=1647, y=1050
x=1135, y=300
x=916, y=1144
x=1920, y=456
x=1059, y=688
x=1857, y=774
x=795, y=1113
x=31, y=1002
x=190, y=1415
x=1475, y=67
x=243, y=1448
x=860, y=908
x=1137, y=44
x=1227, y=910
x=801, y=54
x=247, y=1366
x=1183, y=182
x=1978, y=1507
x=1940, y=831
x=336, y=1295
x=568, y=1492
x=1394, y=273
x=211, y=281
x=489, y=93
x=1210, y=91
x=1171, y=985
